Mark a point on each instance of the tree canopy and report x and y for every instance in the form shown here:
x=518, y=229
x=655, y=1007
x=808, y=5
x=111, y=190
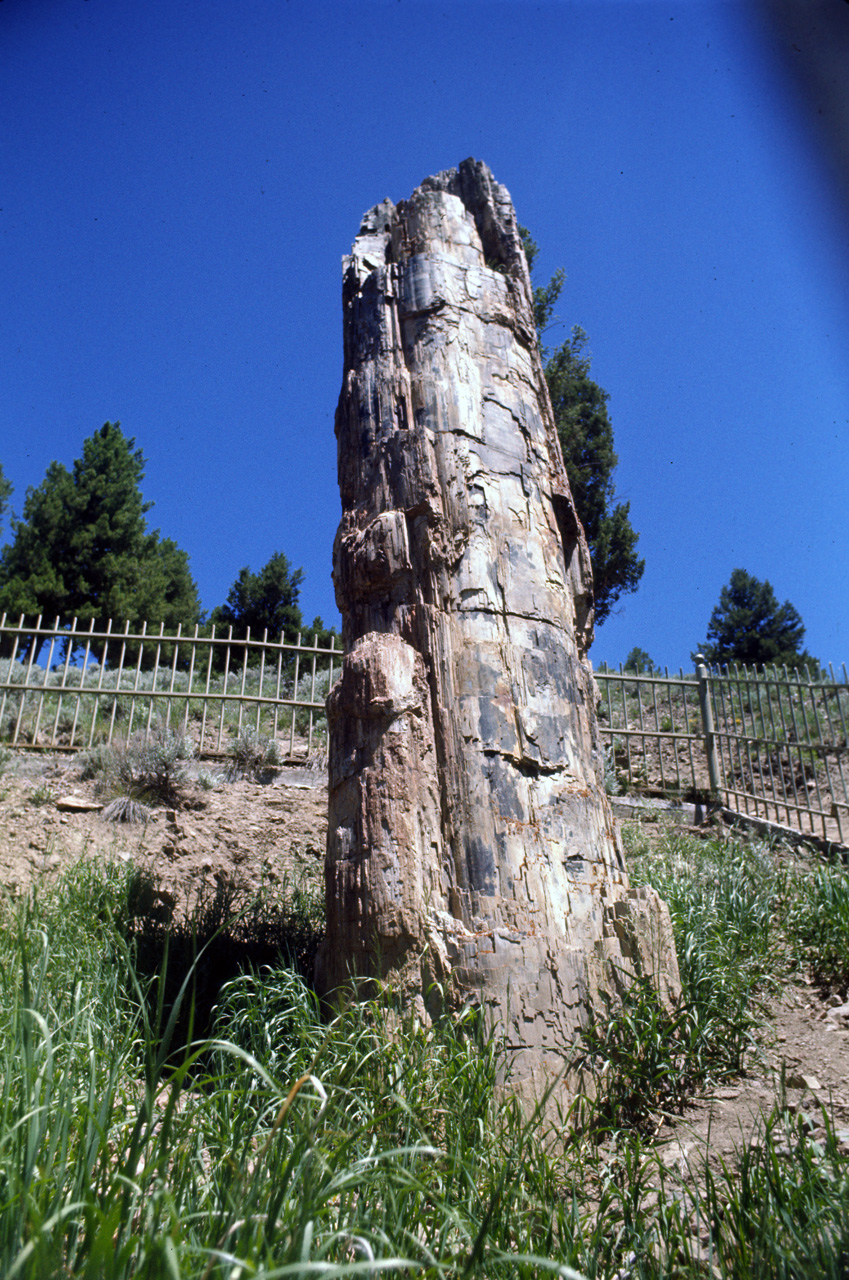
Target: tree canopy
x=640, y=663
x=750, y=627
x=263, y=601
x=267, y=602
x=82, y=547
x=585, y=433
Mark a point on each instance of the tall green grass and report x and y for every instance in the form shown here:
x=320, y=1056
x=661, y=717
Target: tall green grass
x=818, y=925
x=282, y=1143
x=726, y=900
x=783, y=1211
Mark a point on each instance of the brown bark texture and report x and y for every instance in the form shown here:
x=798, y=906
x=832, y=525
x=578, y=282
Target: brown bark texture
x=472, y=854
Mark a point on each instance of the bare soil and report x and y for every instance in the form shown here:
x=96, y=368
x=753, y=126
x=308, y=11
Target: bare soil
x=802, y=1066
x=246, y=832
x=241, y=833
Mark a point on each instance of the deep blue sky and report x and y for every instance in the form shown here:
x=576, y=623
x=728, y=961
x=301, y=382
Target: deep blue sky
x=180, y=179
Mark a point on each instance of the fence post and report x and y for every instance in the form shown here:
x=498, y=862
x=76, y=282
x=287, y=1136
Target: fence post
x=703, y=675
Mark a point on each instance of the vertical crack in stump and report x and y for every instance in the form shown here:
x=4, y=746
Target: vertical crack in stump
x=471, y=848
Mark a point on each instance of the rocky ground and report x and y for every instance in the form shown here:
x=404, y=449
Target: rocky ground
x=243, y=832
x=239, y=832
x=803, y=1064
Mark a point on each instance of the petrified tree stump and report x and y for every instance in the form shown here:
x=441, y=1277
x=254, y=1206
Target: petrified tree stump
x=471, y=848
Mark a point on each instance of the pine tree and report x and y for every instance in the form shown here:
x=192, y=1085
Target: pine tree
x=264, y=601
x=585, y=433
x=640, y=663
x=34, y=564
x=750, y=627
x=586, y=439
x=82, y=547
x=106, y=518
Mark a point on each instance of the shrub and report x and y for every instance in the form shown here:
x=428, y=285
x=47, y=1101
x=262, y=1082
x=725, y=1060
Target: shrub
x=612, y=780
x=207, y=780
x=158, y=766
x=146, y=770
x=125, y=809
x=95, y=761
x=252, y=755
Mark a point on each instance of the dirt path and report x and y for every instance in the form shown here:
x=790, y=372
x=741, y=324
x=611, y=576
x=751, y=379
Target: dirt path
x=804, y=1064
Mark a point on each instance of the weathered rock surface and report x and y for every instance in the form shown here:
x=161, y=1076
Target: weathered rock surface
x=470, y=843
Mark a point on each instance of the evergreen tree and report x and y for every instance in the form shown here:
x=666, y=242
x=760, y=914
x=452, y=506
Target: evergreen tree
x=264, y=601
x=586, y=440
x=5, y=495
x=33, y=565
x=640, y=663
x=267, y=601
x=108, y=529
x=750, y=627
x=321, y=636
x=168, y=593
x=82, y=547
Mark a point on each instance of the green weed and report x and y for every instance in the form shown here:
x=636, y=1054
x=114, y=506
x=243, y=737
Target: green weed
x=818, y=924
x=783, y=1210
x=282, y=1146
x=42, y=795
x=724, y=898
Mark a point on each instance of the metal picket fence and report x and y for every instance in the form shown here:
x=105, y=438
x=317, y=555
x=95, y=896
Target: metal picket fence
x=64, y=688
x=769, y=743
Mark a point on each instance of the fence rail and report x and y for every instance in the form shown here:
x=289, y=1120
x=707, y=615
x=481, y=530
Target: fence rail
x=93, y=685
x=766, y=743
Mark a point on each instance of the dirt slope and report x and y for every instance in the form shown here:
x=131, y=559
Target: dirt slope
x=240, y=832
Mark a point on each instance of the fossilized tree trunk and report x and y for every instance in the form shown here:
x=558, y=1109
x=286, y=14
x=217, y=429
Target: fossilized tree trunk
x=470, y=842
